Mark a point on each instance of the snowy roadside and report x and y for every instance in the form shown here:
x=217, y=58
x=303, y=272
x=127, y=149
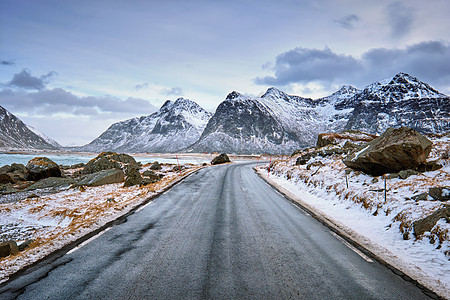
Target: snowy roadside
x=56, y=220
x=361, y=214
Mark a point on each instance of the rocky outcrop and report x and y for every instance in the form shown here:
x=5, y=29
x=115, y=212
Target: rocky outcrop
x=42, y=167
x=102, y=177
x=133, y=177
x=155, y=166
x=352, y=136
x=220, y=159
x=322, y=152
x=151, y=177
x=426, y=224
x=108, y=160
x=395, y=150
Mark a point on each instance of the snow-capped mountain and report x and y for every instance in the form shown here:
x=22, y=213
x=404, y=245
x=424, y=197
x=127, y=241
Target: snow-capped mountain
x=271, y=123
x=14, y=134
x=280, y=123
x=174, y=127
x=401, y=101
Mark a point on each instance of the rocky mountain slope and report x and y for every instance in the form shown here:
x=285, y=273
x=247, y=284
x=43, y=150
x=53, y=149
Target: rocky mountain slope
x=401, y=101
x=174, y=127
x=271, y=123
x=280, y=123
x=14, y=134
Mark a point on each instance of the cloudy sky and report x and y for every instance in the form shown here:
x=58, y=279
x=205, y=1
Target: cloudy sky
x=72, y=68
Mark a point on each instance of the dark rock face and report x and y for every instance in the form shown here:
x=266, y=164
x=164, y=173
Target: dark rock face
x=108, y=160
x=133, y=177
x=269, y=124
x=102, y=177
x=394, y=151
x=402, y=101
x=42, y=167
x=426, y=224
x=220, y=159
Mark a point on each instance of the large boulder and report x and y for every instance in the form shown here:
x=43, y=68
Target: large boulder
x=51, y=183
x=427, y=223
x=102, y=177
x=220, y=159
x=133, y=177
x=108, y=160
x=42, y=167
x=395, y=150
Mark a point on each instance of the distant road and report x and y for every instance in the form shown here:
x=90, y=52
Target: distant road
x=222, y=233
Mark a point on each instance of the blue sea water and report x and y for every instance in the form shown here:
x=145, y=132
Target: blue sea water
x=67, y=160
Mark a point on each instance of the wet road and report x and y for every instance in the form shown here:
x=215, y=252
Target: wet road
x=222, y=233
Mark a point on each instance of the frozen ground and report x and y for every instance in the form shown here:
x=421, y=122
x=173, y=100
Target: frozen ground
x=55, y=220
x=363, y=209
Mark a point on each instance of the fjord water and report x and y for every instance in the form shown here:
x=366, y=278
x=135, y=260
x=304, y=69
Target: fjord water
x=69, y=159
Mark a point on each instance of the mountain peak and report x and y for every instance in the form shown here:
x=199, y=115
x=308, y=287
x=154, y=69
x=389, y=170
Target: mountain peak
x=272, y=91
x=348, y=89
x=233, y=95
x=166, y=104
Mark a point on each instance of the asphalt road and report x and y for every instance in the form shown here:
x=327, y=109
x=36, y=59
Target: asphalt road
x=222, y=233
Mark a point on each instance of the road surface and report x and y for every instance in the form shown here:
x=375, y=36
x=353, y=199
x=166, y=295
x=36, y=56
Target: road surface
x=222, y=233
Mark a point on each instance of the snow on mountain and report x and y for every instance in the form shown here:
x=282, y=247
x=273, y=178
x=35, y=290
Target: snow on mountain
x=14, y=134
x=401, y=101
x=174, y=127
x=275, y=123
x=43, y=136
x=280, y=123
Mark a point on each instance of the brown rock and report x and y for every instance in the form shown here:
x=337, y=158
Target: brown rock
x=352, y=136
x=133, y=177
x=440, y=193
x=426, y=224
x=395, y=150
x=108, y=160
x=221, y=159
x=8, y=248
x=42, y=167
x=155, y=166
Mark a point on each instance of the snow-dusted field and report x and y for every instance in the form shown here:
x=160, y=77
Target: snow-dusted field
x=55, y=220
x=385, y=224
